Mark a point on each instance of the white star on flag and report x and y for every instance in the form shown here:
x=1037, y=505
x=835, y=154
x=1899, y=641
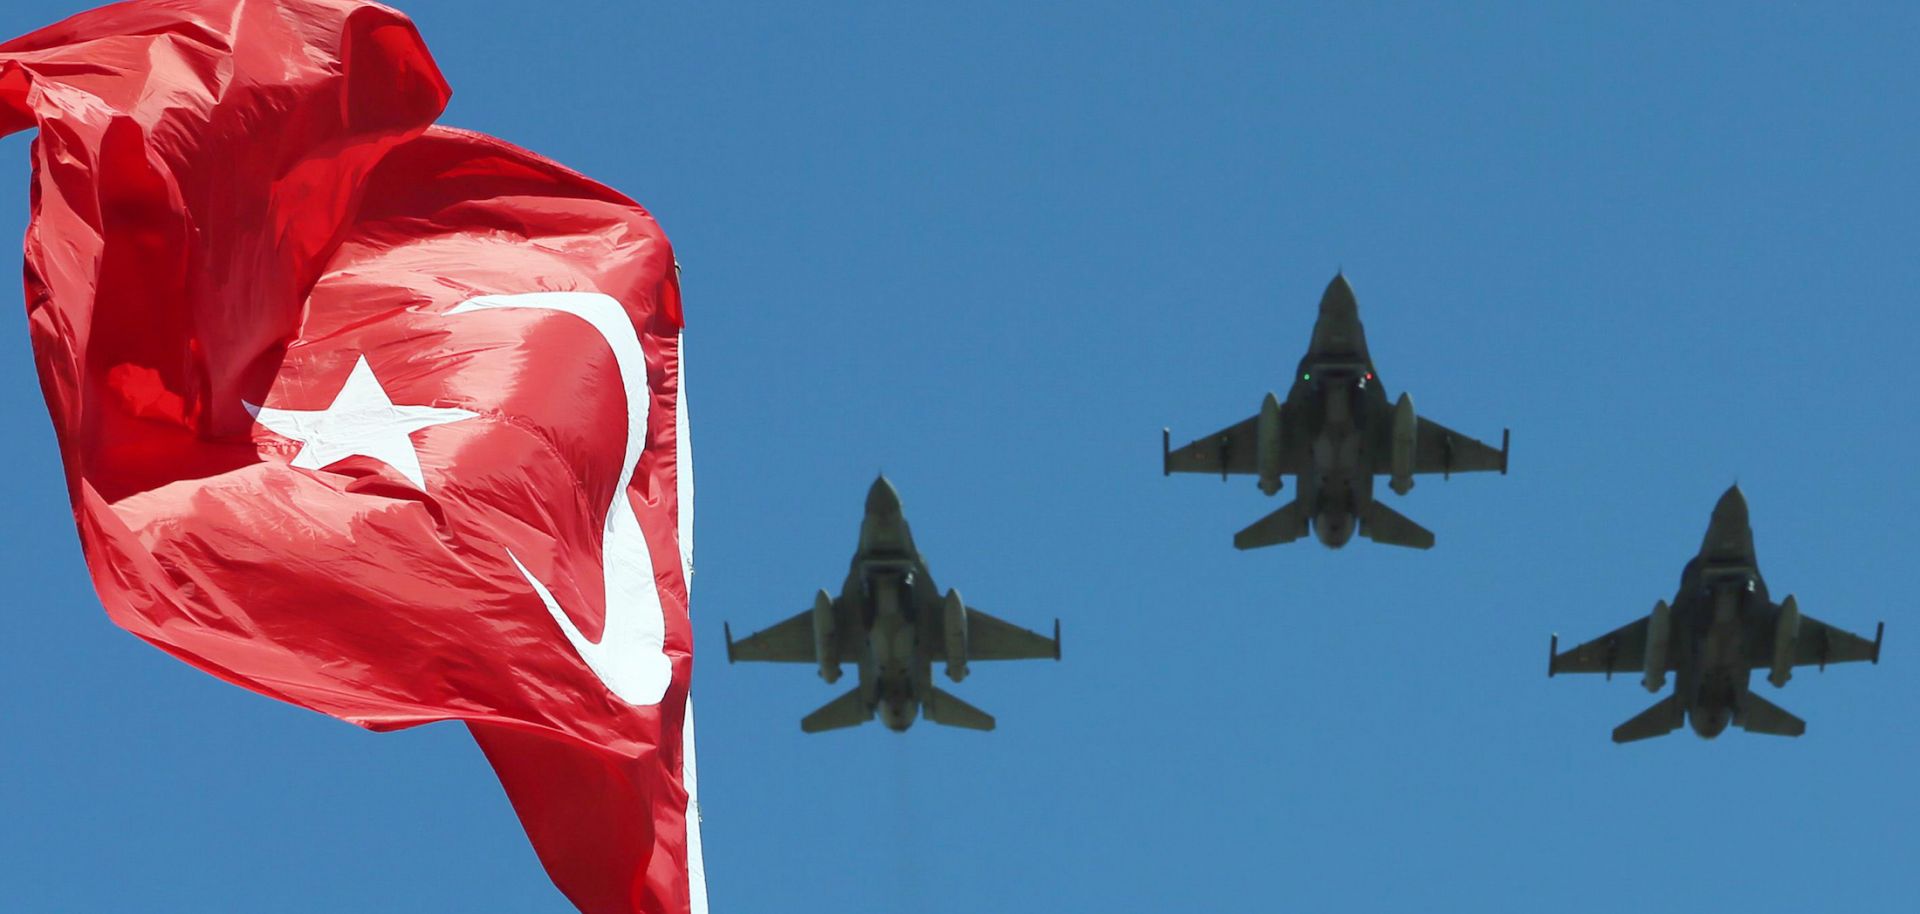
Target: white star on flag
x=360, y=422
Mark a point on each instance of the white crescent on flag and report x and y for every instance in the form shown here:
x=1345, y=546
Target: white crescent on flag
x=631, y=655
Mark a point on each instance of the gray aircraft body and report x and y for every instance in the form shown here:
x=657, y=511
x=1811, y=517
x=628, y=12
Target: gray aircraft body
x=893, y=623
x=1334, y=433
x=1719, y=628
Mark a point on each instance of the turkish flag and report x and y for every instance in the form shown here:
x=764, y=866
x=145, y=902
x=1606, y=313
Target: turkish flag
x=379, y=418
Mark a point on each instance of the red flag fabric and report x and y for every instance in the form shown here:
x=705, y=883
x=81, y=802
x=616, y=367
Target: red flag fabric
x=379, y=418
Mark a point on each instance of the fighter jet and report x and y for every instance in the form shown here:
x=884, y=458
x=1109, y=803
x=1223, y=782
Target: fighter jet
x=891, y=620
x=1334, y=433
x=1720, y=627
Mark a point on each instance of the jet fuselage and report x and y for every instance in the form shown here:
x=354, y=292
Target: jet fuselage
x=1714, y=616
x=886, y=585
x=1337, y=400
x=1721, y=608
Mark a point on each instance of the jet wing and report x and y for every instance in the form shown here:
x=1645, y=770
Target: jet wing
x=792, y=641
x=1233, y=449
x=989, y=638
x=786, y=642
x=1439, y=449
x=1623, y=650
x=1819, y=644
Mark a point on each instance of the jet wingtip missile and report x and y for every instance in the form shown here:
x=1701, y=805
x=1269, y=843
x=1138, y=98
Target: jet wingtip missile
x=1553, y=655
x=1056, y=639
x=1879, y=632
x=1166, y=451
x=727, y=629
x=1506, y=443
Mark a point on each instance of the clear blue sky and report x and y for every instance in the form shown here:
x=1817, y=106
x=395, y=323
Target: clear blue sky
x=993, y=249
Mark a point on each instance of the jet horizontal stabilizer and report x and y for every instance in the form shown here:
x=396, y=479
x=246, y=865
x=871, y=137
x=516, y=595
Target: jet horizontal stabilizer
x=849, y=710
x=1663, y=718
x=943, y=708
x=1282, y=526
x=1389, y=527
x=1758, y=715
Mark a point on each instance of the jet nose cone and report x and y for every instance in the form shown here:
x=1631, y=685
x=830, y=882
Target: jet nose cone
x=1729, y=534
x=1338, y=299
x=882, y=499
x=1732, y=506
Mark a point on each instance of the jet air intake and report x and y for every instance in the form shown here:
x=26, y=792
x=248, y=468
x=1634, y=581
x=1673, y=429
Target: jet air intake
x=1786, y=631
x=1267, y=444
x=1659, y=635
x=954, y=618
x=1406, y=437
x=825, y=648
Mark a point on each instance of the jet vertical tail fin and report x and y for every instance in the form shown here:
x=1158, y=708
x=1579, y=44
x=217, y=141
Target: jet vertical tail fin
x=1758, y=715
x=943, y=708
x=1282, y=526
x=1663, y=718
x=849, y=710
x=1387, y=526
